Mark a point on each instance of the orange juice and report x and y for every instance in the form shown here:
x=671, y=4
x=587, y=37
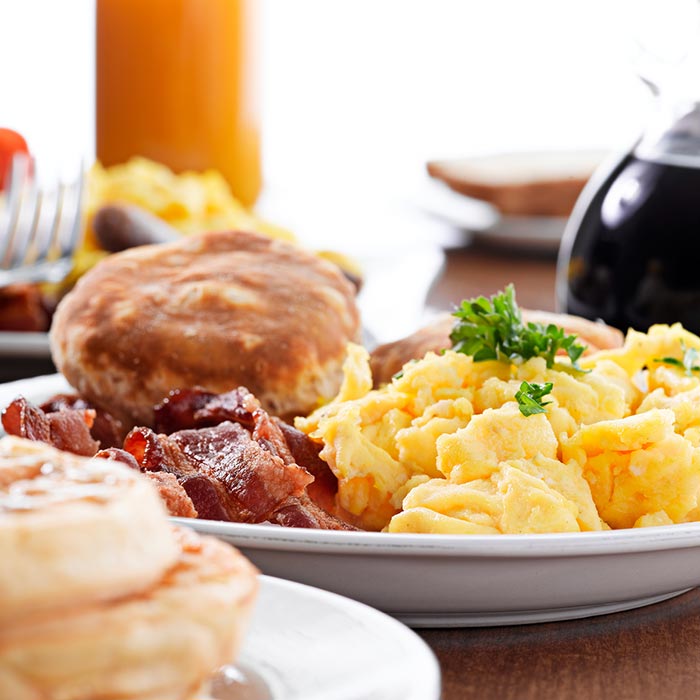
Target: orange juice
x=175, y=82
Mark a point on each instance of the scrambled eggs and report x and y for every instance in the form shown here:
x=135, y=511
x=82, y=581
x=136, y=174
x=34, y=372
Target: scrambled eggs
x=191, y=202
x=444, y=447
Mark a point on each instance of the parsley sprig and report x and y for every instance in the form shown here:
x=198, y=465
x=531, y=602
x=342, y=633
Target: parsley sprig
x=493, y=329
x=529, y=397
x=687, y=364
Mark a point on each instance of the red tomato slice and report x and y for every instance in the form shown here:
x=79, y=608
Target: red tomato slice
x=10, y=143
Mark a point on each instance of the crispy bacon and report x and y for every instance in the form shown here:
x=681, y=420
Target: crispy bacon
x=305, y=451
x=176, y=500
x=155, y=453
x=250, y=483
x=231, y=476
x=114, y=454
x=196, y=408
x=224, y=458
x=106, y=429
x=66, y=429
x=303, y=512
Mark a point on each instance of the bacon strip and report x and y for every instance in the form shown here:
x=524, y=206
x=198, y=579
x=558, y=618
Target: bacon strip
x=234, y=475
x=106, y=429
x=224, y=458
x=176, y=500
x=66, y=429
x=196, y=408
x=230, y=476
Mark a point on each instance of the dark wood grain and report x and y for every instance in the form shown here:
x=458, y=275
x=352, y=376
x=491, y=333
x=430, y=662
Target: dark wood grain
x=651, y=652
x=473, y=271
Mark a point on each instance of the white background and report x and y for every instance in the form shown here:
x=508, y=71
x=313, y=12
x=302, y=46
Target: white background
x=367, y=90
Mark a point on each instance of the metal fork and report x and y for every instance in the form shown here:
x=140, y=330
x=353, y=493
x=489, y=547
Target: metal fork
x=40, y=229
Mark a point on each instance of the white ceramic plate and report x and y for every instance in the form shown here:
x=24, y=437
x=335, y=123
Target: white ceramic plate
x=24, y=344
x=307, y=644
x=479, y=580
x=457, y=580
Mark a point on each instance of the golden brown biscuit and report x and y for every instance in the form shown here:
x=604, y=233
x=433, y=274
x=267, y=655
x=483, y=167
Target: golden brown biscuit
x=386, y=360
x=75, y=530
x=159, y=645
x=217, y=310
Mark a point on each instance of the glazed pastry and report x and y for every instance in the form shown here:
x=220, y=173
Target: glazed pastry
x=74, y=530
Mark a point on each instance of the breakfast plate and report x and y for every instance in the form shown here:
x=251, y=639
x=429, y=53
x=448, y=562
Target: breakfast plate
x=463, y=580
x=308, y=644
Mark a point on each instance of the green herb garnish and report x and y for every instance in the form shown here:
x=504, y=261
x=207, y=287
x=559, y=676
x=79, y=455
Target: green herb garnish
x=493, y=329
x=530, y=396
x=687, y=364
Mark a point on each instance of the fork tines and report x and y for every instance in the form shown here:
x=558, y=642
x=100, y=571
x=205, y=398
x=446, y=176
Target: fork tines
x=40, y=229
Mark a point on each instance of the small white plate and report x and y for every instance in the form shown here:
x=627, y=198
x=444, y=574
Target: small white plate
x=308, y=644
x=463, y=580
x=482, y=221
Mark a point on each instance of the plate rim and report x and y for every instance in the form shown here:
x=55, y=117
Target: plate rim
x=542, y=545
x=24, y=343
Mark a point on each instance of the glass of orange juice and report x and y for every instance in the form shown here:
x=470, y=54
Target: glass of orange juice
x=176, y=82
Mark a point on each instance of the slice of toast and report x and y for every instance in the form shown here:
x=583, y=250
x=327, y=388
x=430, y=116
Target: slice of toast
x=545, y=183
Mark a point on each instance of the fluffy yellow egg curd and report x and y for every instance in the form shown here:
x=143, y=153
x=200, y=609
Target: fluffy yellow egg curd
x=445, y=448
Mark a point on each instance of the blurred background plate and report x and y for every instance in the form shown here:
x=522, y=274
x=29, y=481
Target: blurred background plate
x=481, y=222
x=519, y=199
x=24, y=355
x=20, y=344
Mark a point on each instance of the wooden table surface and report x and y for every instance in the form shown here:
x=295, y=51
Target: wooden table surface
x=475, y=270
x=651, y=652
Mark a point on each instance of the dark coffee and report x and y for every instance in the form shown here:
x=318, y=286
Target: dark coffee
x=631, y=257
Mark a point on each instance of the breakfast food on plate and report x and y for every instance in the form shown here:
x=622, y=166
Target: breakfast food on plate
x=521, y=184
x=217, y=311
x=503, y=434
x=214, y=456
x=386, y=360
x=190, y=202
x=515, y=425
x=100, y=597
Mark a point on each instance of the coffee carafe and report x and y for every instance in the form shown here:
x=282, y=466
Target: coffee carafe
x=631, y=250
